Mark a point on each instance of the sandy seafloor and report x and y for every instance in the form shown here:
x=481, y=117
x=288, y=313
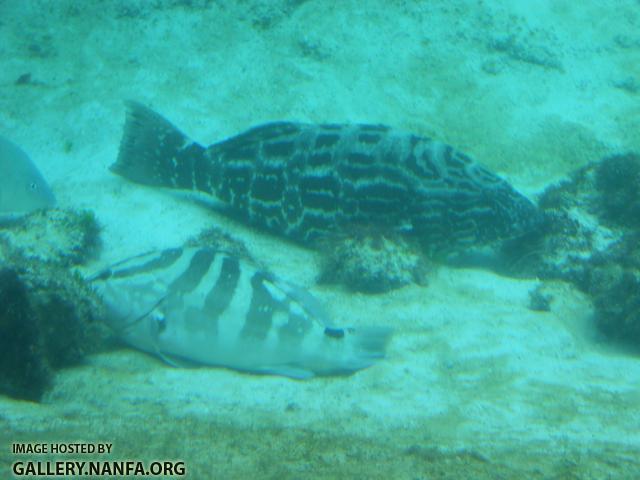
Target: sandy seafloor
x=475, y=385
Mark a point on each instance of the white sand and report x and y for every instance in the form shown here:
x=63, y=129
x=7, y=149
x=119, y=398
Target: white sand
x=530, y=90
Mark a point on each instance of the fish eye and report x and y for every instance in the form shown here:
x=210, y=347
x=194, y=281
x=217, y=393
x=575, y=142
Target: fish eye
x=33, y=186
x=334, y=332
x=161, y=322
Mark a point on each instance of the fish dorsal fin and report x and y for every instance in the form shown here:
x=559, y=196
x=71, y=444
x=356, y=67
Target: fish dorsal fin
x=130, y=265
x=307, y=301
x=296, y=373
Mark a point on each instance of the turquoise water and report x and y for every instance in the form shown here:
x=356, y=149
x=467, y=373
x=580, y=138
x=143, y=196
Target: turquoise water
x=511, y=371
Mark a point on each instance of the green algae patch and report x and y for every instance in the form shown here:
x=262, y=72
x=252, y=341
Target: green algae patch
x=220, y=449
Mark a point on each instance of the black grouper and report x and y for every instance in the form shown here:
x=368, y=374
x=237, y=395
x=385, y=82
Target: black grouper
x=308, y=181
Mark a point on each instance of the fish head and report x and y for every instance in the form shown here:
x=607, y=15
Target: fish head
x=510, y=215
x=347, y=350
x=31, y=192
x=22, y=187
x=131, y=290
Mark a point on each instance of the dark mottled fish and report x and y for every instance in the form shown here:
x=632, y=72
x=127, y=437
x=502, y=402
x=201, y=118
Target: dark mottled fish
x=305, y=181
x=22, y=188
x=212, y=308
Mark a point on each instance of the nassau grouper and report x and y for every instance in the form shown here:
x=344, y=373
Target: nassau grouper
x=307, y=181
x=212, y=308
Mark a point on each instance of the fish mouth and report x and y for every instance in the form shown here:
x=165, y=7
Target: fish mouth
x=42, y=197
x=48, y=200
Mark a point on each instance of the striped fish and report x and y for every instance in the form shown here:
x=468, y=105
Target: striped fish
x=307, y=181
x=211, y=308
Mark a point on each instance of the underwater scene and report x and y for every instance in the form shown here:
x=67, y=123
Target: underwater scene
x=316, y=239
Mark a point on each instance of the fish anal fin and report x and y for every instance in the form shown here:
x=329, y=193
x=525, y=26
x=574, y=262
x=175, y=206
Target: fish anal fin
x=176, y=361
x=297, y=373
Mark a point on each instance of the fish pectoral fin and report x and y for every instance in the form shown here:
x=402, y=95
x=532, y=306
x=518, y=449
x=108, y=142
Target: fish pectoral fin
x=296, y=373
x=310, y=303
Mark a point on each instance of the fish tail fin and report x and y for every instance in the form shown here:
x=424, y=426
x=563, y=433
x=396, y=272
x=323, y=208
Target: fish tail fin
x=371, y=342
x=154, y=152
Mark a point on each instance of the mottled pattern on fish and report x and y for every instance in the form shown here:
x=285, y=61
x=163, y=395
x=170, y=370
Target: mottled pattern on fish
x=305, y=181
x=212, y=308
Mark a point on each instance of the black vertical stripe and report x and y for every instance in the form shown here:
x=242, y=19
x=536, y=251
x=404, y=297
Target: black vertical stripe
x=191, y=277
x=334, y=332
x=258, y=321
x=294, y=330
x=222, y=292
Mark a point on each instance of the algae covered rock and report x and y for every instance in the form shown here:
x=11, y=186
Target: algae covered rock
x=595, y=241
x=617, y=307
x=49, y=319
x=373, y=263
x=49, y=315
x=618, y=184
x=69, y=311
x=608, y=191
x=613, y=281
x=576, y=231
x=24, y=372
x=68, y=237
x=220, y=241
